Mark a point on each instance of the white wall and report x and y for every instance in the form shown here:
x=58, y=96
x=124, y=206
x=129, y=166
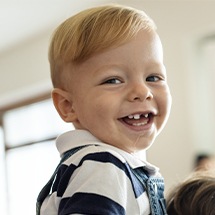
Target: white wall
x=180, y=25
x=24, y=70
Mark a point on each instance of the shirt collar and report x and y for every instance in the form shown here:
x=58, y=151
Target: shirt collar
x=75, y=138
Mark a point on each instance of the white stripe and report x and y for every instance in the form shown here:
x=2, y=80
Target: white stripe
x=100, y=181
x=143, y=202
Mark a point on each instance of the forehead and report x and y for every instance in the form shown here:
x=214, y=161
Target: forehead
x=144, y=43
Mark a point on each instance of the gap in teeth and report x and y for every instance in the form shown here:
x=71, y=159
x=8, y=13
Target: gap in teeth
x=137, y=116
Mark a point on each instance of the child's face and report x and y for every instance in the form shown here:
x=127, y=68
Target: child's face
x=121, y=95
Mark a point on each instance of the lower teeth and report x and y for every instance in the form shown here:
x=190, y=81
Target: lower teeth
x=139, y=124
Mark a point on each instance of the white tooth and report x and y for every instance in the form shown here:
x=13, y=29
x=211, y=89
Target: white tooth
x=146, y=115
x=139, y=124
x=136, y=116
x=130, y=117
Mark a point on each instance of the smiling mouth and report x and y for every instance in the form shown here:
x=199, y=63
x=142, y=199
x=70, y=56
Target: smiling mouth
x=137, y=120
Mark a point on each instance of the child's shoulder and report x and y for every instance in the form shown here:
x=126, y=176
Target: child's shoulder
x=95, y=152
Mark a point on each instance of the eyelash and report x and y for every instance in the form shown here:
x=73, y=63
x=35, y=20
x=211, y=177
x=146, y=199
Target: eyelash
x=158, y=78
x=112, y=81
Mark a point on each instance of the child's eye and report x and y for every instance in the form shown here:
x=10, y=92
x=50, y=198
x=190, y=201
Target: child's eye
x=153, y=78
x=113, y=81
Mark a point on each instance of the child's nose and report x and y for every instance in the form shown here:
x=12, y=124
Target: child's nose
x=139, y=92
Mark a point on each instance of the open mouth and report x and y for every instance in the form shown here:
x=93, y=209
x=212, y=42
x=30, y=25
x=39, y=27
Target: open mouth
x=137, y=119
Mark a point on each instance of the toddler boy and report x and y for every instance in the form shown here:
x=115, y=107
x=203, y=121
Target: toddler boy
x=110, y=82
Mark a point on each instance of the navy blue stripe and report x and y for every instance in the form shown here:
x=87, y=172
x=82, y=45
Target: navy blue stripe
x=65, y=172
x=62, y=179
x=91, y=204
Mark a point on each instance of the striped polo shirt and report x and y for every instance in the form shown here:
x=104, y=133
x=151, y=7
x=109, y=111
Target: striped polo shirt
x=97, y=179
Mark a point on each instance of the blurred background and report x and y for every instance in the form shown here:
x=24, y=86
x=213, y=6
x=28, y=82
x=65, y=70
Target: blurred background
x=29, y=123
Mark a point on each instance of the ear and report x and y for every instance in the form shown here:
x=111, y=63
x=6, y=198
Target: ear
x=64, y=105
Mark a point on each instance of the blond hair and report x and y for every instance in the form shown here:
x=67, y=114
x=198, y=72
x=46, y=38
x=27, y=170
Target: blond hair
x=92, y=31
x=194, y=196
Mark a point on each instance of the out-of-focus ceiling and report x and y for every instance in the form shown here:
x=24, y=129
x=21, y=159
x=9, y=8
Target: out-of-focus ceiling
x=21, y=19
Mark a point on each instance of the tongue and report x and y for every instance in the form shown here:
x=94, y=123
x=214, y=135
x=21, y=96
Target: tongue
x=132, y=121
